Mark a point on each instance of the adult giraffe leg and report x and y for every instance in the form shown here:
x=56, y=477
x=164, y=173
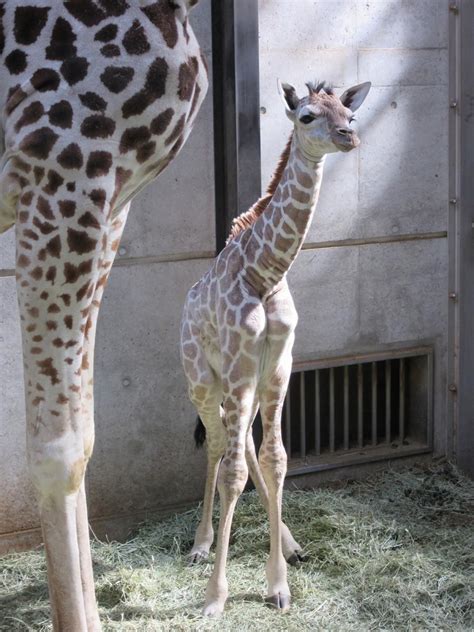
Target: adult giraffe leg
x=110, y=246
x=58, y=270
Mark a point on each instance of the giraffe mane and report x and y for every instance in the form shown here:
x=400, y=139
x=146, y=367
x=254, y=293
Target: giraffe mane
x=316, y=87
x=248, y=218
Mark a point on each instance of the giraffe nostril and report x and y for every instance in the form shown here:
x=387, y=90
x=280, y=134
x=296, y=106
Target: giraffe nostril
x=344, y=131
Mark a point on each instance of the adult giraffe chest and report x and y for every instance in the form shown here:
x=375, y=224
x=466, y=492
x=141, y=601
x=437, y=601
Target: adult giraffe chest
x=79, y=80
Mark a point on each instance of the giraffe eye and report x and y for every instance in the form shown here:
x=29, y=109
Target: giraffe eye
x=352, y=119
x=307, y=118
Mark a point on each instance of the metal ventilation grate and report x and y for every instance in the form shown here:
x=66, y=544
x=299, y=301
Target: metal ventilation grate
x=358, y=409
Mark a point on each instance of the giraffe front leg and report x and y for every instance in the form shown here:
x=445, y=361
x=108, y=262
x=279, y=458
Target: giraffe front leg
x=110, y=244
x=273, y=463
x=58, y=270
x=291, y=549
x=85, y=562
x=57, y=467
x=231, y=480
x=57, y=461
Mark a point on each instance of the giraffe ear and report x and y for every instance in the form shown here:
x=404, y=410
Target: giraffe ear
x=355, y=96
x=290, y=98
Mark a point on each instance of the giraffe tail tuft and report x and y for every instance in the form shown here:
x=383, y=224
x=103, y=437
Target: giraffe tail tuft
x=199, y=433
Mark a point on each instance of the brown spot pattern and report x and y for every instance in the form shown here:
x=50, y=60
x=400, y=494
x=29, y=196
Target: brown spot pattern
x=47, y=368
x=110, y=50
x=44, y=227
x=98, y=164
x=51, y=274
x=53, y=247
x=160, y=123
x=79, y=241
x=97, y=126
x=93, y=101
x=162, y=15
x=135, y=41
x=155, y=84
x=54, y=182
x=107, y=33
x=39, y=143
x=87, y=220
x=67, y=208
x=74, y=69
x=16, y=61
x=30, y=114
x=45, y=80
x=60, y=114
x=71, y=157
x=98, y=197
x=38, y=173
x=187, y=78
x=72, y=272
x=28, y=23
x=117, y=78
x=61, y=46
x=44, y=208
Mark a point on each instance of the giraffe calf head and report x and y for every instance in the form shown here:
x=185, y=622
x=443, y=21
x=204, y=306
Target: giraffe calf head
x=322, y=119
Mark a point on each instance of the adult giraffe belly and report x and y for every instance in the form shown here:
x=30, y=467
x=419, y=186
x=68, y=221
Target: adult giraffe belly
x=97, y=90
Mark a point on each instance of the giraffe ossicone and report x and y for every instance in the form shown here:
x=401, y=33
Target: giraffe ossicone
x=97, y=97
x=237, y=335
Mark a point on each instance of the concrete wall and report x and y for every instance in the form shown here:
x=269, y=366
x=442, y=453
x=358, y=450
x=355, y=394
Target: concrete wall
x=144, y=457
x=353, y=292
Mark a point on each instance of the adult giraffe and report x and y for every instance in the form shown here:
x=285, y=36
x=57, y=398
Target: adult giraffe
x=97, y=97
x=237, y=334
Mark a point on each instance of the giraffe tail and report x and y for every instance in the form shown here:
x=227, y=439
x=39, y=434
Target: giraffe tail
x=199, y=433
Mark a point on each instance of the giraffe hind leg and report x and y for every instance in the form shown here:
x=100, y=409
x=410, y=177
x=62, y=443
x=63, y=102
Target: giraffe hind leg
x=215, y=435
x=205, y=392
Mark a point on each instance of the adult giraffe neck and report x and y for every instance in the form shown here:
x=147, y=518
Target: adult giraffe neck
x=278, y=234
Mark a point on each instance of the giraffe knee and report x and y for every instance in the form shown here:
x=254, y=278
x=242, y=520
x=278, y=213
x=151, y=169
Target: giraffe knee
x=273, y=462
x=233, y=475
x=57, y=466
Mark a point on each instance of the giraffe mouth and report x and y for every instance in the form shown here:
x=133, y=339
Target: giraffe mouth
x=345, y=148
x=347, y=145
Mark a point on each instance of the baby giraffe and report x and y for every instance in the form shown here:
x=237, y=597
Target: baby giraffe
x=238, y=328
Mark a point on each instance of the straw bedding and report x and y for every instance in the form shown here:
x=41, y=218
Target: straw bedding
x=394, y=552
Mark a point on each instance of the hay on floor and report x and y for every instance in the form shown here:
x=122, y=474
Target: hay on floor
x=395, y=552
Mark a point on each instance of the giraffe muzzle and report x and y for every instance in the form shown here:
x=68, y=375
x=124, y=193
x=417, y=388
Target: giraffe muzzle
x=345, y=139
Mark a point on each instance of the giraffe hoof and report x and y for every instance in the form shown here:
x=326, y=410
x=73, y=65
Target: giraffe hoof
x=296, y=558
x=279, y=601
x=213, y=610
x=197, y=557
